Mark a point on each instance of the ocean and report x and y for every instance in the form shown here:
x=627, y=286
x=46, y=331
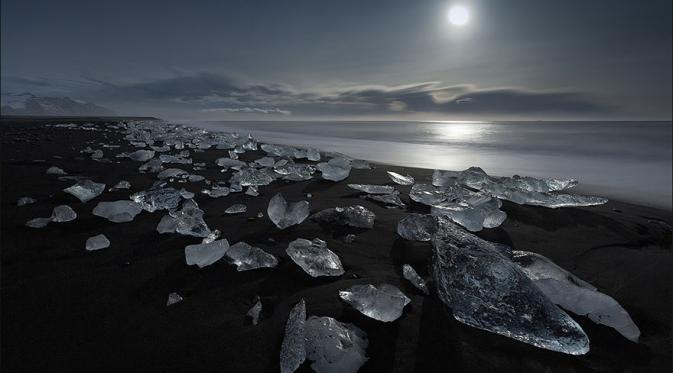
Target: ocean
x=630, y=161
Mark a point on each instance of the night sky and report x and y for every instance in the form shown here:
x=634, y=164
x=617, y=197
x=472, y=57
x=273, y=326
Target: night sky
x=360, y=59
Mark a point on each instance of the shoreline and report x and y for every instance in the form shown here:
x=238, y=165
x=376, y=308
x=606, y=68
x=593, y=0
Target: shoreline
x=64, y=307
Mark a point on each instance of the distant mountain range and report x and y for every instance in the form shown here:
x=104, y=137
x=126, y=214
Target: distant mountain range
x=30, y=104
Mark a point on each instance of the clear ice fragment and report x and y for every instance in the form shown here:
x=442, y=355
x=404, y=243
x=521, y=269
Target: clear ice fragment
x=384, y=302
x=246, y=257
x=255, y=310
x=373, y=189
x=118, y=211
x=400, y=179
x=293, y=350
x=285, y=214
x=236, y=209
x=417, y=227
x=25, y=201
x=314, y=257
x=204, y=255
x=173, y=298
x=97, y=242
x=355, y=216
x=410, y=274
x=85, y=190
x=333, y=346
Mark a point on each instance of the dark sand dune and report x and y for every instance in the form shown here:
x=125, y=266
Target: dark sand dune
x=66, y=309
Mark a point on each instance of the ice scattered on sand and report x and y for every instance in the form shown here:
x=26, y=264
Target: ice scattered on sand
x=173, y=298
x=355, y=216
x=336, y=169
x=53, y=170
x=314, y=257
x=237, y=208
x=486, y=290
x=384, y=302
x=204, y=255
x=285, y=214
x=410, y=274
x=576, y=295
x=97, y=242
x=246, y=257
x=333, y=346
x=118, y=211
x=25, y=201
x=373, y=189
x=255, y=310
x=293, y=350
x=401, y=179
x=85, y=190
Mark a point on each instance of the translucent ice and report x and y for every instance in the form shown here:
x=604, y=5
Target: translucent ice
x=427, y=194
x=336, y=169
x=392, y=199
x=285, y=214
x=157, y=198
x=576, y=295
x=384, y=302
x=373, y=189
x=246, y=257
x=172, y=173
x=118, y=211
x=85, y=190
x=486, y=290
x=217, y=191
x=293, y=350
x=355, y=216
x=121, y=185
x=265, y=162
x=204, y=255
x=315, y=258
x=229, y=163
x=97, y=243
x=295, y=172
x=38, y=222
x=63, y=213
x=417, y=227
x=401, y=179
x=236, y=209
x=142, y=155
x=53, y=170
x=189, y=220
x=173, y=298
x=333, y=346
x=473, y=213
x=252, y=191
x=25, y=201
x=410, y=274
x=255, y=310
x=360, y=164
x=253, y=176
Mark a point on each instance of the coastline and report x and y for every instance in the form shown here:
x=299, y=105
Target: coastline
x=64, y=307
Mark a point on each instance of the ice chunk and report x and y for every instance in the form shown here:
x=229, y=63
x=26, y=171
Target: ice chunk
x=355, y=216
x=265, y=162
x=384, y=302
x=53, y=170
x=373, y=189
x=193, y=178
x=360, y=164
x=38, y=222
x=401, y=179
x=157, y=198
x=63, y=213
x=427, y=194
x=236, y=209
x=172, y=173
x=410, y=274
x=417, y=227
x=255, y=310
x=486, y=290
x=190, y=220
x=229, y=162
x=313, y=154
x=173, y=298
x=204, y=255
x=252, y=191
x=293, y=350
x=121, y=185
x=279, y=150
x=473, y=213
x=333, y=346
x=294, y=172
x=217, y=191
x=85, y=190
x=336, y=169
x=285, y=214
x=97, y=243
x=168, y=224
x=153, y=165
x=97, y=154
x=253, y=176
x=25, y=201
x=350, y=238
x=246, y=257
x=392, y=199
x=315, y=258
x=576, y=295
x=142, y=155
x=119, y=211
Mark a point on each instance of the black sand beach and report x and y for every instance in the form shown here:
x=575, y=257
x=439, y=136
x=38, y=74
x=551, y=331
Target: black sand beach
x=66, y=309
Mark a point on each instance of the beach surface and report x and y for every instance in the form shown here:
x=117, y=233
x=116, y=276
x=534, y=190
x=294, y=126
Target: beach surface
x=68, y=309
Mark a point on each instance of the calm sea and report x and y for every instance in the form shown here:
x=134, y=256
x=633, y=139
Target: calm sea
x=626, y=160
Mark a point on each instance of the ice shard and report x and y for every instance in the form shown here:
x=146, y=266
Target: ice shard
x=189, y=220
x=314, y=257
x=85, y=190
x=294, y=172
x=373, y=189
x=255, y=310
x=204, y=255
x=486, y=290
x=384, y=302
x=237, y=208
x=173, y=298
x=427, y=194
x=293, y=350
x=172, y=173
x=401, y=179
x=246, y=257
x=392, y=199
x=410, y=274
x=253, y=176
x=575, y=295
x=355, y=216
x=97, y=242
x=336, y=169
x=285, y=214
x=333, y=346
x=63, y=213
x=118, y=211
x=417, y=227
x=25, y=201
x=157, y=198
x=473, y=213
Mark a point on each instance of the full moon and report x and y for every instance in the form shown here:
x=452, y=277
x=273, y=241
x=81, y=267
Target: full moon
x=458, y=15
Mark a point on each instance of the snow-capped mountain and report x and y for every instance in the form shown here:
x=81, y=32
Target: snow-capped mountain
x=29, y=104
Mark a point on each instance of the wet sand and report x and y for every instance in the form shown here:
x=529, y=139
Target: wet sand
x=67, y=309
